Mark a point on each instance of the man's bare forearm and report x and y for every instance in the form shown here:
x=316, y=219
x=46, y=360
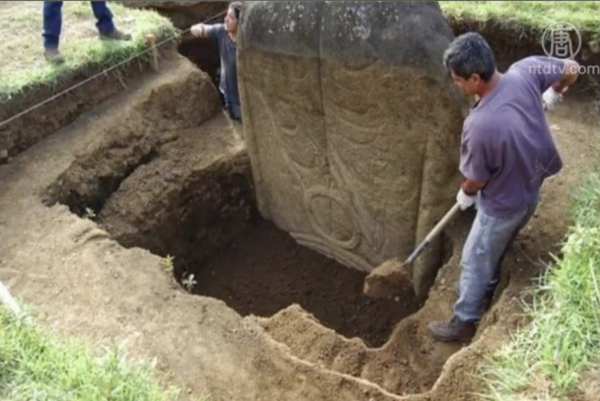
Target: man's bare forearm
x=569, y=78
x=472, y=187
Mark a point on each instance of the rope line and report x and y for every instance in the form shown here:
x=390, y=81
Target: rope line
x=103, y=72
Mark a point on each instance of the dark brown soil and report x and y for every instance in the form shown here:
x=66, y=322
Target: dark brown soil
x=204, y=54
x=264, y=270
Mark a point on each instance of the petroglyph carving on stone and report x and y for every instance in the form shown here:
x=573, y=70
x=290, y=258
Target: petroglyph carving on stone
x=352, y=124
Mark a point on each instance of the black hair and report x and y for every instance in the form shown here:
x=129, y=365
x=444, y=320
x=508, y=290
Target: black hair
x=470, y=54
x=236, y=6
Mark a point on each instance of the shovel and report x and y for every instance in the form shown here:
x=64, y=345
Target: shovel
x=393, y=278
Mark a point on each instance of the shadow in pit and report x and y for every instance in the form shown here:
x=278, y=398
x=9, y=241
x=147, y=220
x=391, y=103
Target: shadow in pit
x=204, y=53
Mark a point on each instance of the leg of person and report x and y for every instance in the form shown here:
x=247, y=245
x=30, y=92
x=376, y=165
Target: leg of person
x=52, y=30
x=235, y=112
x=496, y=277
x=487, y=240
x=105, y=24
x=223, y=100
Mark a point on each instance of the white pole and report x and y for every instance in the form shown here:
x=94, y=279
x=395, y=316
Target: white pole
x=10, y=302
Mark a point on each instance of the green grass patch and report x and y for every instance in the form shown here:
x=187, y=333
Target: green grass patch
x=36, y=365
x=21, y=28
x=536, y=14
x=548, y=356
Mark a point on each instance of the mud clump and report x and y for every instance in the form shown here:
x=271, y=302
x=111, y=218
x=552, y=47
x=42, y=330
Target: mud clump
x=388, y=280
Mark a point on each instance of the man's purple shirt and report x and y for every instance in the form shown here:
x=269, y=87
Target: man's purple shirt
x=507, y=142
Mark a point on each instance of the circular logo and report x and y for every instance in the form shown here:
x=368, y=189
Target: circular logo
x=561, y=40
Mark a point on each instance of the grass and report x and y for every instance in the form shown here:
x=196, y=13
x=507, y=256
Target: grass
x=537, y=14
x=21, y=23
x=36, y=365
x=562, y=343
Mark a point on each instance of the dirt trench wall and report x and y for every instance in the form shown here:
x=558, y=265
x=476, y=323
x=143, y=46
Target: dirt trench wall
x=513, y=41
x=28, y=129
x=183, y=99
x=354, y=157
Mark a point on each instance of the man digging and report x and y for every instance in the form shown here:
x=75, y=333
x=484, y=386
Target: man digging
x=507, y=152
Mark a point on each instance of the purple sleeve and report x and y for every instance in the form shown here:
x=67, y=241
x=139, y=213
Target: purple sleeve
x=542, y=71
x=475, y=153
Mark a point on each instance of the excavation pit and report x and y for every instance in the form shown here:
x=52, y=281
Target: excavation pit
x=184, y=188
x=263, y=270
x=203, y=214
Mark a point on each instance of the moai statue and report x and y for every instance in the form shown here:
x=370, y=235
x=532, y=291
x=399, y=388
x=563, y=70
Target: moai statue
x=353, y=125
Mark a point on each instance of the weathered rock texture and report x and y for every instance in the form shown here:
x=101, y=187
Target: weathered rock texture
x=353, y=125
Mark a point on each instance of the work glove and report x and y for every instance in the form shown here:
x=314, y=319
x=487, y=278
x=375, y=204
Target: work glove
x=197, y=30
x=551, y=98
x=465, y=201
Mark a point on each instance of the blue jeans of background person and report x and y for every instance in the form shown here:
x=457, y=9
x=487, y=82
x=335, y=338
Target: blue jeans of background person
x=234, y=111
x=488, y=242
x=53, y=21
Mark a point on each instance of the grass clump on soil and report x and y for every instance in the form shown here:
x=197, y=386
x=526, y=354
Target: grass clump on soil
x=36, y=365
x=22, y=28
x=535, y=14
x=561, y=343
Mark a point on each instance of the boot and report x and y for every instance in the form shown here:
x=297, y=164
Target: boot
x=452, y=331
x=116, y=35
x=53, y=55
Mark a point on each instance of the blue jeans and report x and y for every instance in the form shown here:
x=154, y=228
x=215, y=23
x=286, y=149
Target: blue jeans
x=234, y=111
x=488, y=242
x=53, y=21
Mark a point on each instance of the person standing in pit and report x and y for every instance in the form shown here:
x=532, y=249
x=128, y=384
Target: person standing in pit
x=507, y=152
x=225, y=36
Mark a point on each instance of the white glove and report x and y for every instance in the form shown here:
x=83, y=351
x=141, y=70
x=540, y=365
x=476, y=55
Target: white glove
x=197, y=30
x=465, y=201
x=551, y=98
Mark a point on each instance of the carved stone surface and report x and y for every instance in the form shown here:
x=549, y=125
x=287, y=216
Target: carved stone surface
x=352, y=124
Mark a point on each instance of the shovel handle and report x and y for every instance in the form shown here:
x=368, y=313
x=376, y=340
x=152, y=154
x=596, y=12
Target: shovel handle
x=434, y=232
